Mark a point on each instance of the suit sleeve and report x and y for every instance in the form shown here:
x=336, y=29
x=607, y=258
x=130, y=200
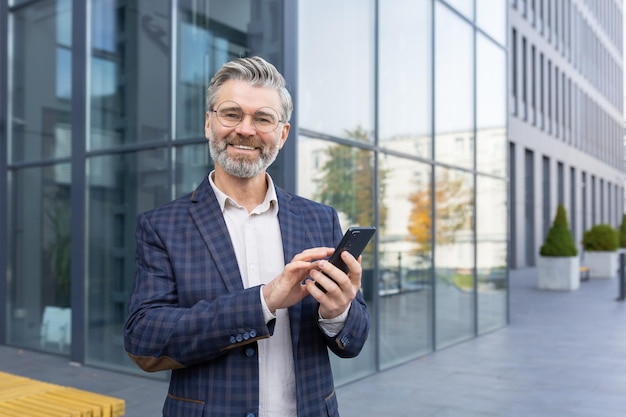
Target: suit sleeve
x=351, y=339
x=160, y=333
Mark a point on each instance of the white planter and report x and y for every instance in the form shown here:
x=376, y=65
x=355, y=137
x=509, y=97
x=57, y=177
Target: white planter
x=602, y=264
x=559, y=273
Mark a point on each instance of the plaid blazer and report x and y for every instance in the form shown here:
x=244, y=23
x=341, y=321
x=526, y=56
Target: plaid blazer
x=189, y=312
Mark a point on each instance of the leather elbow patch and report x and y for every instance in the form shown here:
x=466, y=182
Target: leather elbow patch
x=152, y=364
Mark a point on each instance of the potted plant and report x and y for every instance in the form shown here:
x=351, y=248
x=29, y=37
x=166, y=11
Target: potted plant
x=600, y=244
x=558, y=266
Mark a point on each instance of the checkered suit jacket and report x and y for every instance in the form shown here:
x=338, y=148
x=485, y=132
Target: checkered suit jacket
x=190, y=313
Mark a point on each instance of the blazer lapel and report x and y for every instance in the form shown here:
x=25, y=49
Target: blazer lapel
x=207, y=215
x=293, y=230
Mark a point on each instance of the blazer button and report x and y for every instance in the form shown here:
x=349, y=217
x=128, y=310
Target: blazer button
x=239, y=337
x=252, y=333
x=233, y=339
x=246, y=336
x=250, y=415
x=250, y=352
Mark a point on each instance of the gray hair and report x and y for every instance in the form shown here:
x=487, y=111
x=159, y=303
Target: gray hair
x=258, y=72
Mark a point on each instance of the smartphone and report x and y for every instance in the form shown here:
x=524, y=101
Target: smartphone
x=354, y=241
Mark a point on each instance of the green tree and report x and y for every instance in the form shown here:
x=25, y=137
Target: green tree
x=59, y=248
x=601, y=238
x=559, y=240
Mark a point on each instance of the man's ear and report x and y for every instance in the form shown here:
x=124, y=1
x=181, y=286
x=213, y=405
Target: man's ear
x=284, y=133
x=207, y=125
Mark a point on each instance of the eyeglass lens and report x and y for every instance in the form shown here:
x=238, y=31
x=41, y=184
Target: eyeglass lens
x=230, y=114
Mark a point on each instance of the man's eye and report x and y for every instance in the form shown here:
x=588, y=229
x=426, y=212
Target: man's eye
x=231, y=116
x=264, y=120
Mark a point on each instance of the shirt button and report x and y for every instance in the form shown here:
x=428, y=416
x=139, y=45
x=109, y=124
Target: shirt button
x=252, y=267
x=250, y=352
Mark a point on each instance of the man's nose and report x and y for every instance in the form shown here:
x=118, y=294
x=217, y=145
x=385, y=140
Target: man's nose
x=246, y=125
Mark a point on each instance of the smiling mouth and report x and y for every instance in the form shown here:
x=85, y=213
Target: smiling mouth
x=243, y=147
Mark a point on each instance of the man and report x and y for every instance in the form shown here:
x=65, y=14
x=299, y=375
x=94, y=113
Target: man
x=225, y=292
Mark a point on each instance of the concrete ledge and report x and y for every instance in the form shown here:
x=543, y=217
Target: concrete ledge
x=20, y=396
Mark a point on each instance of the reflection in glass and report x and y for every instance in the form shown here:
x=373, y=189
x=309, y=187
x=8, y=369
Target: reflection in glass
x=335, y=66
x=210, y=33
x=343, y=177
x=454, y=86
x=465, y=7
x=130, y=72
x=404, y=277
x=405, y=80
x=454, y=256
x=491, y=17
x=40, y=100
x=39, y=259
x=491, y=141
x=491, y=253
x=120, y=186
x=192, y=164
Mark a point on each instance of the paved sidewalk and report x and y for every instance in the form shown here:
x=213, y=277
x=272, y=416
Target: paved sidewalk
x=563, y=355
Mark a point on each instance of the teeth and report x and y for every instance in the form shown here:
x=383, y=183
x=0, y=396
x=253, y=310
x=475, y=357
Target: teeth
x=248, y=148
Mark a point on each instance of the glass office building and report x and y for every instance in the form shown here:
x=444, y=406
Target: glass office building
x=566, y=119
x=400, y=121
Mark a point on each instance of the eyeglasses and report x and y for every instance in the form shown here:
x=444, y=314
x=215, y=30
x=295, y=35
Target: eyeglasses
x=230, y=114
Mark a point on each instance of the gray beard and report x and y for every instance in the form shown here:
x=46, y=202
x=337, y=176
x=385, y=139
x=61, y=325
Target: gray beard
x=240, y=168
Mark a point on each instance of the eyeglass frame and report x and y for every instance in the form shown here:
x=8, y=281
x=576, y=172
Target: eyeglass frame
x=278, y=122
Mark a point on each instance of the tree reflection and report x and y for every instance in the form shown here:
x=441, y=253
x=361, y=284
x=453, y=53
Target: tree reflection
x=453, y=205
x=347, y=183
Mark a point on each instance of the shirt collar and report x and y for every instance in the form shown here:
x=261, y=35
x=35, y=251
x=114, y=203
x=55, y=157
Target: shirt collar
x=269, y=203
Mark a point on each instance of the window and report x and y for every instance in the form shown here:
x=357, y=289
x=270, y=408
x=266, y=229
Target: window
x=583, y=187
x=594, y=202
x=524, y=80
x=560, y=183
x=529, y=206
x=572, y=197
x=547, y=212
x=514, y=69
x=549, y=103
x=533, y=92
x=541, y=91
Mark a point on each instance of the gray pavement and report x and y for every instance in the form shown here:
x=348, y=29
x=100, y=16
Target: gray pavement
x=563, y=355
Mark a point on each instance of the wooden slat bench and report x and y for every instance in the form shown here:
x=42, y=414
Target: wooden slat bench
x=584, y=273
x=25, y=397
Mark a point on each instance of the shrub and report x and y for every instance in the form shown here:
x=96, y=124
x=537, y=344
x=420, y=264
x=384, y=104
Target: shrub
x=601, y=238
x=559, y=240
x=622, y=233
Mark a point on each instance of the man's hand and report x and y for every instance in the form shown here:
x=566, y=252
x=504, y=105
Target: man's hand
x=340, y=290
x=286, y=289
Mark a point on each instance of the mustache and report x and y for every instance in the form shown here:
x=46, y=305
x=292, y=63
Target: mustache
x=237, y=139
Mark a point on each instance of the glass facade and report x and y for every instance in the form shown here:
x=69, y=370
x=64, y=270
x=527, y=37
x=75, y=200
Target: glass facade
x=399, y=122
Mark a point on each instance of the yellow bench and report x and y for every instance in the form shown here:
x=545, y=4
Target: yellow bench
x=25, y=397
x=584, y=273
